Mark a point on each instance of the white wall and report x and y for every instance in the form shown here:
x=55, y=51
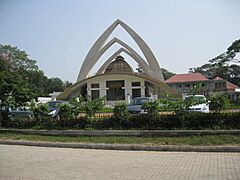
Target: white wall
x=111, y=77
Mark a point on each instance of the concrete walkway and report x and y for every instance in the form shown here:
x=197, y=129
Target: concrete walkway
x=25, y=162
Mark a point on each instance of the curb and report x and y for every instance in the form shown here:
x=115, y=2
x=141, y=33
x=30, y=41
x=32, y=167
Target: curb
x=126, y=147
x=141, y=133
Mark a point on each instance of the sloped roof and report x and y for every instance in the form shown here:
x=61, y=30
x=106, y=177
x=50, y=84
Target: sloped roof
x=119, y=65
x=218, y=78
x=190, y=77
x=231, y=86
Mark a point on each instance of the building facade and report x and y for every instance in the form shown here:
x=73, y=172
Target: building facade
x=185, y=83
x=115, y=79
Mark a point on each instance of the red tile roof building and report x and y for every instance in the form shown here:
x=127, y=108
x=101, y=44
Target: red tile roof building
x=191, y=77
x=184, y=83
x=230, y=86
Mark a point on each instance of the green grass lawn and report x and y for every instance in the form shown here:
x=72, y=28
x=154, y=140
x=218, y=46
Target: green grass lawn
x=188, y=140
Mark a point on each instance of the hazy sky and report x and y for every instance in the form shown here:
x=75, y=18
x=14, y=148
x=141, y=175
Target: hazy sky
x=59, y=33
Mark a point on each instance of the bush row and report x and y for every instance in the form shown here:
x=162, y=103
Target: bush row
x=166, y=122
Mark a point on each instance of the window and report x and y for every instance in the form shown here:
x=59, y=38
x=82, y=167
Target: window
x=136, y=84
x=136, y=93
x=95, y=85
x=94, y=94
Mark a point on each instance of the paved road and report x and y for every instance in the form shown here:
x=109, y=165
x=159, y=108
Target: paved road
x=24, y=162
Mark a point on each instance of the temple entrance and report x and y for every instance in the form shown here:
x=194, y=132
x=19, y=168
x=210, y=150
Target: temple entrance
x=115, y=91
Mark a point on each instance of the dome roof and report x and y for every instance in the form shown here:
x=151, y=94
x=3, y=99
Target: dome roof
x=119, y=65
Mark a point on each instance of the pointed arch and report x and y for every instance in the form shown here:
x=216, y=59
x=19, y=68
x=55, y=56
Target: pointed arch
x=95, y=52
x=137, y=57
x=105, y=65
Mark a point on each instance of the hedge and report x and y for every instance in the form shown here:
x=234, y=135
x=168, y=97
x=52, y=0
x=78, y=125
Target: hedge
x=166, y=122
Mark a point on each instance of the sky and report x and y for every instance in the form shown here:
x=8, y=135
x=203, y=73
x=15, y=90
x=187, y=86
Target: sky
x=59, y=33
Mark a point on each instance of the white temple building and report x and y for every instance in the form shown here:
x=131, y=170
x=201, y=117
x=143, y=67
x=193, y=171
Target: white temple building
x=116, y=79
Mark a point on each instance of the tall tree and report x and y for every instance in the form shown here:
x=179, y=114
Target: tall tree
x=225, y=65
x=18, y=61
x=55, y=84
x=14, y=89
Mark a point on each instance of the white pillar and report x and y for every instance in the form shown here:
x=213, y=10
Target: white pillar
x=142, y=88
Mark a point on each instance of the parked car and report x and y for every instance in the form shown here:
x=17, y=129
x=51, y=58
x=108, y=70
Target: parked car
x=54, y=107
x=16, y=112
x=202, y=105
x=135, y=107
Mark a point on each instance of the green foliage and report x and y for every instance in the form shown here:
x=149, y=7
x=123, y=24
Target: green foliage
x=55, y=84
x=167, y=74
x=17, y=60
x=225, y=65
x=92, y=106
x=13, y=60
x=151, y=108
x=218, y=103
x=19, y=122
x=21, y=80
x=120, y=112
x=14, y=90
x=66, y=112
x=197, y=88
x=39, y=110
x=105, y=110
x=167, y=122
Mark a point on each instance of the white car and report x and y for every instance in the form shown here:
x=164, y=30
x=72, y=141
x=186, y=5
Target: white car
x=202, y=105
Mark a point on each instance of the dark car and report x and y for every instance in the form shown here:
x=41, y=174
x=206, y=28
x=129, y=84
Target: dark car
x=16, y=112
x=135, y=107
x=54, y=107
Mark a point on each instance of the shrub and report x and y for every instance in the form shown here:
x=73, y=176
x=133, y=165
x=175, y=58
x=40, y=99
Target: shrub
x=66, y=112
x=152, y=115
x=120, y=114
x=90, y=107
x=151, y=108
x=218, y=103
x=19, y=122
x=39, y=110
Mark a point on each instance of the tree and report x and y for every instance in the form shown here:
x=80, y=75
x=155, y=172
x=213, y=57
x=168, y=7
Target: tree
x=218, y=103
x=167, y=74
x=17, y=61
x=55, y=84
x=14, y=89
x=21, y=80
x=38, y=82
x=225, y=65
